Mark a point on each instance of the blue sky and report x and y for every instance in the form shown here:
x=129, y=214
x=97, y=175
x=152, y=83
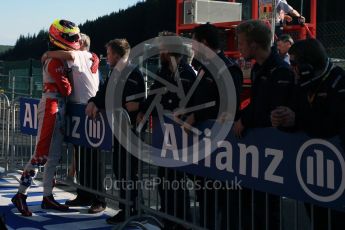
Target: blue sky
x=30, y=16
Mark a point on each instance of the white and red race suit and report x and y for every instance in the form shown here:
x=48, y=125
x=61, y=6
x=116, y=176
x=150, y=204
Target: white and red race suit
x=50, y=133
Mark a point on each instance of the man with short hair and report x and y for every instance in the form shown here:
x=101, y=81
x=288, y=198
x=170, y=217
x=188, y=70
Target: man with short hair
x=117, y=56
x=208, y=35
x=272, y=79
x=272, y=86
x=175, y=70
x=284, y=43
x=318, y=81
x=319, y=108
x=208, y=92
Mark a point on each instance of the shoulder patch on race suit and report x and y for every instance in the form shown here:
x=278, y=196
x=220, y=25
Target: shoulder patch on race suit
x=56, y=66
x=60, y=69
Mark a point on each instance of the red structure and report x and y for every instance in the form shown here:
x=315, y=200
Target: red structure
x=229, y=37
x=228, y=27
x=297, y=31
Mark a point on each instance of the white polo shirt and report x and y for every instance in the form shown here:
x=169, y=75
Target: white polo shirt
x=84, y=82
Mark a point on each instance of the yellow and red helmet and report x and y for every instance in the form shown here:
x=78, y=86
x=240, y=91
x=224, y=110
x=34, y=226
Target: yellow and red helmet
x=64, y=34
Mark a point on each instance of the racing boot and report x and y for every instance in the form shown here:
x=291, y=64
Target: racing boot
x=19, y=201
x=49, y=202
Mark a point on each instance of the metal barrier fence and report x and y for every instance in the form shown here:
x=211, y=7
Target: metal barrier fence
x=196, y=207
x=16, y=148
x=21, y=78
x=104, y=172
x=192, y=208
x=21, y=145
x=98, y=171
x=4, y=132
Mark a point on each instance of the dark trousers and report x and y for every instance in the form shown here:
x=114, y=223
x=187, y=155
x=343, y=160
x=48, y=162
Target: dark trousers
x=88, y=173
x=174, y=199
x=321, y=218
x=217, y=206
x=259, y=206
x=120, y=165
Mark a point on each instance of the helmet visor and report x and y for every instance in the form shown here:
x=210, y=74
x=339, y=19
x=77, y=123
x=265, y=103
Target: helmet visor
x=70, y=37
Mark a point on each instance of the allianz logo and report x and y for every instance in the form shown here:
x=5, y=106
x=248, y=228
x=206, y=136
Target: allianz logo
x=317, y=161
x=322, y=162
x=93, y=129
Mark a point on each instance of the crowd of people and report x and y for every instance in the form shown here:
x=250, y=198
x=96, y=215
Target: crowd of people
x=295, y=87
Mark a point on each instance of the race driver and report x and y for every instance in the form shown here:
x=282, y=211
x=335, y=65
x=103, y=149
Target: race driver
x=63, y=35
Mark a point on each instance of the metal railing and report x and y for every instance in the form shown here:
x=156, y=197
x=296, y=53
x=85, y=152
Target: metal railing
x=189, y=208
x=5, y=133
x=21, y=145
x=184, y=208
x=16, y=148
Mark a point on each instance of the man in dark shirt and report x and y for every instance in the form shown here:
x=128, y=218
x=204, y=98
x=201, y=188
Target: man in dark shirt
x=207, y=92
x=208, y=35
x=117, y=49
x=272, y=86
x=117, y=55
x=319, y=108
x=272, y=80
x=177, y=72
x=174, y=69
